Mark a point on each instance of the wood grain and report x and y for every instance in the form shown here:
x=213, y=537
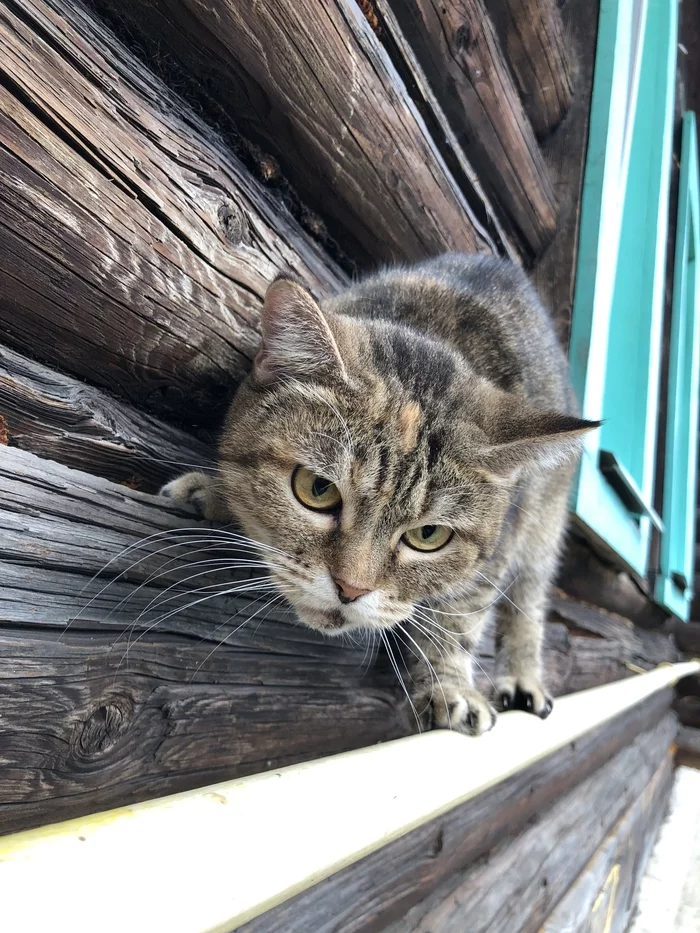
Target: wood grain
x=564, y=154
x=475, y=845
x=117, y=688
x=408, y=66
x=688, y=747
x=688, y=710
x=60, y=418
x=321, y=95
x=606, y=890
x=532, y=34
x=523, y=878
x=134, y=248
x=687, y=636
x=457, y=47
x=99, y=625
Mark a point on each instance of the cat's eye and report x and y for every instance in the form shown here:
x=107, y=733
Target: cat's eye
x=427, y=537
x=314, y=491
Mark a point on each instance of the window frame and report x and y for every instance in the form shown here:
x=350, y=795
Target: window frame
x=674, y=582
x=620, y=83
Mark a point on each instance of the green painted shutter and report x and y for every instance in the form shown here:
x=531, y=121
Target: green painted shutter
x=618, y=304
x=674, y=583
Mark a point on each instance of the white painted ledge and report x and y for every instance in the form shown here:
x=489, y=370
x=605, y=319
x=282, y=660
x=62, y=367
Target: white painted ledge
x=208, y=860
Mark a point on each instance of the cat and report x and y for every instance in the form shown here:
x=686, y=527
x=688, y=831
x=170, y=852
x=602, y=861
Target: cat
x=408, y=447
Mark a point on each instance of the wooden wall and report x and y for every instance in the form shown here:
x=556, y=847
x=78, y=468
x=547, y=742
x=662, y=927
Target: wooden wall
x=145, y=204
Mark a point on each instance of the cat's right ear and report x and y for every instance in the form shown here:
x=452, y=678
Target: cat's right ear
x=297, y=342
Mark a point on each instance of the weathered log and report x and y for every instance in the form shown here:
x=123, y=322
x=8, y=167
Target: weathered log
x=516, y=887
x=131, y=685
x=608, y=644
x=100, y=599
x=586, y=576
x=688, y=747
x=565, y=156
x=383, y=20
x=60, y=418
x=134, y=248
x=383, y=887
x=605, y=893
x=532, y=34
x=321, y=95
x=458, y=49
x=687, y=635
x=688, y=710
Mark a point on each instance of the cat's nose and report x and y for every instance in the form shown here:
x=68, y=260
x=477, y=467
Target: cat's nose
x=347, y=593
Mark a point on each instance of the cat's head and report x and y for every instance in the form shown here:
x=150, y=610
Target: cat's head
x=374, y=466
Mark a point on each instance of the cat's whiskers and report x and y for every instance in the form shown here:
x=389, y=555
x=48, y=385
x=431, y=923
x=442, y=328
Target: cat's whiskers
x=454, y=643
x=224, y=564
x=507, y=598
x=237, y=590
x=392, y=659
x=434, y=677
x=223, y=641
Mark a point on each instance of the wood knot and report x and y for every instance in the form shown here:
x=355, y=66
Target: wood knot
x=462, y=37
x=233, y=223
x=103, y=728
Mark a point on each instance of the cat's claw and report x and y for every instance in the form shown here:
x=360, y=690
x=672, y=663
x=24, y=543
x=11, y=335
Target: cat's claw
x=463, y=710
x=527, y=694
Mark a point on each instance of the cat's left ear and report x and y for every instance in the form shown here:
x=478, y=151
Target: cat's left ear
x=297, y=342
x=526, y=439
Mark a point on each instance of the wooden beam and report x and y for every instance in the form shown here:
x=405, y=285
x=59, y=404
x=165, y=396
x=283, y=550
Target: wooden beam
x=687, y=635
x=565, y=156
x=605, y=894
x=140, y=690
x=134, y=248
x=61, y=418
x=688, y=710
x=289, y=822
x=457, y=47
x=383, y=887
x=532, y=34
x=122, y=686
x=408, y=66
x=688, y=747
x=526, y=875
x=321, y=95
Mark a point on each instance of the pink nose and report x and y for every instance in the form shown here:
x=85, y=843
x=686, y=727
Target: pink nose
x=347, y=592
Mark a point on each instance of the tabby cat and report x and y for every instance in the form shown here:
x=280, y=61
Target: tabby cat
x=407, y=448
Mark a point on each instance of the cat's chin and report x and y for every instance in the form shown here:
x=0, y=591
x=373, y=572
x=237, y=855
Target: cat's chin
x=331, y=622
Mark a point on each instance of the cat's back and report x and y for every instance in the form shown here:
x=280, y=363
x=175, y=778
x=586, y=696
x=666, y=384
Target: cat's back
x=486, y=309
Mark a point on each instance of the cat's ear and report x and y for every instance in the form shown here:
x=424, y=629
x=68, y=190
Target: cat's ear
x=297, y=342
x=526, y=440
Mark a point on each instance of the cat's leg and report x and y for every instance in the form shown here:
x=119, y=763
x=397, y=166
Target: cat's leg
x=442, y=679
x=201, y=491
x=520, y=620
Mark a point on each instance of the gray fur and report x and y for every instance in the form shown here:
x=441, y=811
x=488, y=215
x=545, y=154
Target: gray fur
x=431, y=394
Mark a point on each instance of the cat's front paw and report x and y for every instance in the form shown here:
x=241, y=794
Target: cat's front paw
x=455, y=707
x=200, y=491
x=525, y=693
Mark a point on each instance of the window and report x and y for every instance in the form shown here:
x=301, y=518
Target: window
x=673, y=588
x=617, y=319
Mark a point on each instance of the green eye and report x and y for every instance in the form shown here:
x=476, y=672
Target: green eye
x=427, y=537
x=314, y=491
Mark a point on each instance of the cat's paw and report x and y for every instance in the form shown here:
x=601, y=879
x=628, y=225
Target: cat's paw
x=198, y=490
x=455, y=707
x=525, y=693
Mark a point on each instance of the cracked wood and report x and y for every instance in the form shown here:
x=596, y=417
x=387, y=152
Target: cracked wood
x=134, y=248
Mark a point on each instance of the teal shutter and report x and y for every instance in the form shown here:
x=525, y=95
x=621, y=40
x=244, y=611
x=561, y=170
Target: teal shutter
x=617, y=317
x=674, y=584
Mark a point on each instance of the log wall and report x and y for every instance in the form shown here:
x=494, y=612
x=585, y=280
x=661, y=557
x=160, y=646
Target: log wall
x=135, y=250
